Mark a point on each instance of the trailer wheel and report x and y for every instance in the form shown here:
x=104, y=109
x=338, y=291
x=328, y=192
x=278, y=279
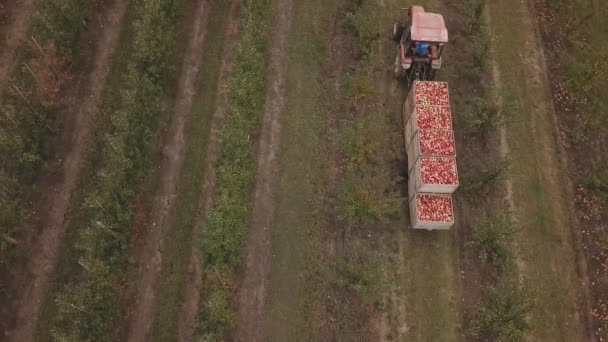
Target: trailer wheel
x=399, y=72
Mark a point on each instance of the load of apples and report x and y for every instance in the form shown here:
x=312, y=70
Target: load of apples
x=432, y=211
x=429, y=138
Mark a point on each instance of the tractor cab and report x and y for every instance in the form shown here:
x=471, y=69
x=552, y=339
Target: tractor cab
x=420, y=42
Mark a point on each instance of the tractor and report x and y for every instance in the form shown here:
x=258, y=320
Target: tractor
x=420, y=41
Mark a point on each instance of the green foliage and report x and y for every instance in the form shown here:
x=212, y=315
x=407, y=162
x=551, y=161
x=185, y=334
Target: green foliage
x=29, y=104
x=501, y=315
x=589, y=71
x=87, y=304
x=481, y=51
x=97, y=300
x=365, y=29
x=355, y=276
x=346, y=83
x=366, y=195
x=486, y=115
x=216, y=315
x=225, y=228
x=478, y=36
x=12, y=213
x=482, y=181
x=363, y=199
x=62, y=21
x=473, y=13
x=363, y=140
x=491, y=236
x=598, y=181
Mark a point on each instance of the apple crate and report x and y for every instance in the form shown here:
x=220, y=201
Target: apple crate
x=431, y=211
x=434, y=175
x=425, y=93
x=428, y=117
x=411, y=187
x=432, y=143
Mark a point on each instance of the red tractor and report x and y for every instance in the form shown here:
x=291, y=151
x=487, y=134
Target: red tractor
x=420, y=42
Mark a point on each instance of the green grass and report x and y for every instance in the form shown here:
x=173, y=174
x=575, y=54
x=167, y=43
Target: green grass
x=224, y=231
x=86, y=303
x=545, y=251
x=292, y=308
x=174, y=274
x=427, y=280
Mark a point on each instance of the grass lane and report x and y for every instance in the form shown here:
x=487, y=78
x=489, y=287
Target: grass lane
x=547, y=259
x=421, y=265
x=296, y=237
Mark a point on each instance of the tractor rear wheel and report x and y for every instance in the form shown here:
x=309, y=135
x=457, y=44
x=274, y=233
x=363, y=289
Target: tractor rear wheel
x=397, y=31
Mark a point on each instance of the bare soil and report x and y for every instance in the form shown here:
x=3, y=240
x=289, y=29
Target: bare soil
x=191, y=305
x=149, y=252
x=252, y=290
x=15, y=16
x=43, y=238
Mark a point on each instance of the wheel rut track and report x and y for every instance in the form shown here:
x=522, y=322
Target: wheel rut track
x=20, y=15
x=139, y=326
x=256, y=267
x=192, y=293
x=45, y=235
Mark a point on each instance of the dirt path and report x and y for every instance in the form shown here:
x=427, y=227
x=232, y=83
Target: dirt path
x=190, y=308
x=139, y=325
x=20, y=13
x=252, y=292
x=29, y=286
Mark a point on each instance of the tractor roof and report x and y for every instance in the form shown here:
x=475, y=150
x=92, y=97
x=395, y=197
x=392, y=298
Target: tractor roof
x=428, y=27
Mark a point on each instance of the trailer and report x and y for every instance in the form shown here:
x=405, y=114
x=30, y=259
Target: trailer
x=431, y=155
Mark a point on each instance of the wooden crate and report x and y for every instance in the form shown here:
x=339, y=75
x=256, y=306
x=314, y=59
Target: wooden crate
x=432, y=211
x=434, y=175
